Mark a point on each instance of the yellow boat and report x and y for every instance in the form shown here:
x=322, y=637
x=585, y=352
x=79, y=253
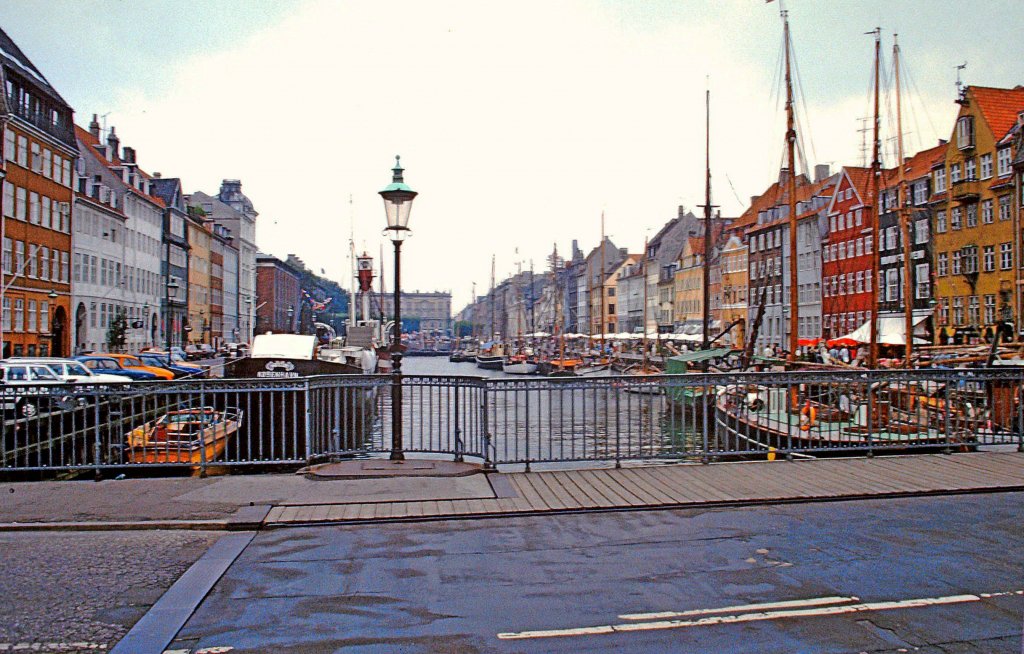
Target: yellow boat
x=194, y=436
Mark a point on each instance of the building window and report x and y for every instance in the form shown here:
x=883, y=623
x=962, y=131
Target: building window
x=973, y=310
x=892, y=285
x=8, y=261
x=965, y=132
x=10, y=147
x=23, y=151
x=921, y=234
x=922, y=286
x=8, y=199
x=940, y=180
x=33, y=264
x=990, y=309
x=956, y=218
x=1004, y=207
x=860, y=282
x=943, y=264
x=1003, y=161
x=954, y=173
x=44, y=316
x=989, y=258
x=19, y=315
x=868, y=242
x=1005, y=256
x=32, y=315
x=970, y=258
x=19, y=257
x=842, y=251
x=957, y=262
x=940, y=222
x=944, y=313
x=972, y=215
x=970, y=170
x=33, y=208
x=986, y=212
x=21, y=206
x=892, y=238
x=958, y=311
x=986, y=165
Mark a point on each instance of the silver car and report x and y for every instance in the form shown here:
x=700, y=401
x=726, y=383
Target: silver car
x=23, y=390
x=70, y=370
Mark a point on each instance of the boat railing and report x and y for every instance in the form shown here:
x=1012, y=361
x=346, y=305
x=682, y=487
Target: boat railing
x=525, y=420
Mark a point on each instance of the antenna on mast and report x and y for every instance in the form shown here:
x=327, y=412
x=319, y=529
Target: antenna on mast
x=959, y=82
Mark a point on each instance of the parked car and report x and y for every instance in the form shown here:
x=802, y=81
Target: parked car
x=132, y=361
x=105, y=364
x=70, y=370
x=23, y=389
x=177, y=353
x=166, y=361
x=206, y=351
x=234, y=350
x=192, y=353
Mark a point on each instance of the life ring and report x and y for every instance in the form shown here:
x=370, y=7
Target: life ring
x=808, y=417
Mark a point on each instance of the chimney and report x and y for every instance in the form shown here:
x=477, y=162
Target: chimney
x=94, y=127
x=129, y=155
x=157, y=175
x=114, y=143
x=821, y=172
x=753, y=199
x=783, y=175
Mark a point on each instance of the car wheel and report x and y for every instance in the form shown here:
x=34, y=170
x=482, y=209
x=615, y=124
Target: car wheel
x=27, y=409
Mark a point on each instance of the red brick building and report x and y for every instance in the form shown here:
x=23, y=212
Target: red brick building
x=846, y=254
x=38, y=149
x=277, y=290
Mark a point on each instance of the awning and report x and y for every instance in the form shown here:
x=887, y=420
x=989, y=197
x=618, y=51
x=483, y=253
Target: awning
x=890, y=329
x=701, y=355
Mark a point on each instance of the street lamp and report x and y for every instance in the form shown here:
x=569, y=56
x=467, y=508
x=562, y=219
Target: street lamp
x=397, y=204
x=291, y=316
x=171, y=293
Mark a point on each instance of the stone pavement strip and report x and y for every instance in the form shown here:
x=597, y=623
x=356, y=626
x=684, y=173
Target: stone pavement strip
x=277, y=500
x=687, y=486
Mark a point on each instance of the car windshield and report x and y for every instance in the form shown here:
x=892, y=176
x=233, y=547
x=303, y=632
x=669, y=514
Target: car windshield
x=44, y=373
x=176, y=357
x=17, y=373
x=132, y=362
x=77, y=369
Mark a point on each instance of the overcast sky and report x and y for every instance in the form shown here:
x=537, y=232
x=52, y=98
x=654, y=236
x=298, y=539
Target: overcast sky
x=518, y=123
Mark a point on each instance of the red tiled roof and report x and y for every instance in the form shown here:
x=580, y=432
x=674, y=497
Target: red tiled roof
x=86, y=137
x=998, y=106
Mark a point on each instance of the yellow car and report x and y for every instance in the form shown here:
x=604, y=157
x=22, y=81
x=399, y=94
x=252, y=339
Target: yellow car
x=131, y=361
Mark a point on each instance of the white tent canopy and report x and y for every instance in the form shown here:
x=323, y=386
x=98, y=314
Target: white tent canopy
x=890, y=330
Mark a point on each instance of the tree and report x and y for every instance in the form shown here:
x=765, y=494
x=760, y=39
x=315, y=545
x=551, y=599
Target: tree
x=117, y=331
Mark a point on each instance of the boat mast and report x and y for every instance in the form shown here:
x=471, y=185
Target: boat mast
x=643, y=365
x=491, y=335
x=533, y=303
x=876, y=169
x=352, y=264
x=600, y=281
x=902, y=200
x=709, y=237
x=794, y=315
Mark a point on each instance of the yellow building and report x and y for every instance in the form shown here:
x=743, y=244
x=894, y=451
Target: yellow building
x=734, y=287
x=199, y=315
x=973, y=209
x=688, y=307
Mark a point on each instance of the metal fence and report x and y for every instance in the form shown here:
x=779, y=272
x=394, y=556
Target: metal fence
x=260, y=423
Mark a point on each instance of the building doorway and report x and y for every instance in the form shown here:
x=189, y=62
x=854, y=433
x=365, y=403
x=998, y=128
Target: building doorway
x=59, y=329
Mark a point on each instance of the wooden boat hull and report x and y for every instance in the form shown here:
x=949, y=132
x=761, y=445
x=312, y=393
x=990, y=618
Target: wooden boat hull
x=158, y=443
x=520, y=368
x=490, y=362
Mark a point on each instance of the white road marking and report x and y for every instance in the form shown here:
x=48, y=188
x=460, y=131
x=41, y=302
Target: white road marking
x=755, y=617
x=814, y=601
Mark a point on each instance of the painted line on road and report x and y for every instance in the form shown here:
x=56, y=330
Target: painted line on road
x=756, y=617
x=790, y=604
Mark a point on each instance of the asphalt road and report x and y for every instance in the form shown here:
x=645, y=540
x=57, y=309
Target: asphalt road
x=82, y=591
x=934, y=575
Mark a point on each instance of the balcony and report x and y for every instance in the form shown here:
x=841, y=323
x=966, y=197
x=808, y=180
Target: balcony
x=48, y=121
x=966, y=190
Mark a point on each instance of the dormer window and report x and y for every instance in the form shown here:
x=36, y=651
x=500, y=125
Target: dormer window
x=965, y=132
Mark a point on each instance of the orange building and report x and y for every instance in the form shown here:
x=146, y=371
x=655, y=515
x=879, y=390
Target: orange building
x=38, y=149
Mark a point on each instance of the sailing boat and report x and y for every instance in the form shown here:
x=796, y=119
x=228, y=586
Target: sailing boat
x=492, y=354
x=601, y=365
x=519, y=363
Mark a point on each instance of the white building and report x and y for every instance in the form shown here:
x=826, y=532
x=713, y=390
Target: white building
x=116, y=246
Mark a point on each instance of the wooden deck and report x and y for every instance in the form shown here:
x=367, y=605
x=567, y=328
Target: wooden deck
x=692, y=485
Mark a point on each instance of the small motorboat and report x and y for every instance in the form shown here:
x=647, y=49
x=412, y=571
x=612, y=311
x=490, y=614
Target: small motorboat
x=519, y=364
x=197, y=435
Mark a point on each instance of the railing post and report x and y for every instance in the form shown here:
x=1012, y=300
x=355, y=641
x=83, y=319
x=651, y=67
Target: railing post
x=527, y=431
x=202, y=431
x=948, y=411
x=705, y=456
x=1020, y=415
x=97, y=447
x=308, y=422
x=485, y=431
x=458, y=424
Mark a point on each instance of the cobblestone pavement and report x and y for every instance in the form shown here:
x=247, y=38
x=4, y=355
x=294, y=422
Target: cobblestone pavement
x=75, y=592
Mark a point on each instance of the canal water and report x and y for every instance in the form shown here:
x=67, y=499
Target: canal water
x=535, y=418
